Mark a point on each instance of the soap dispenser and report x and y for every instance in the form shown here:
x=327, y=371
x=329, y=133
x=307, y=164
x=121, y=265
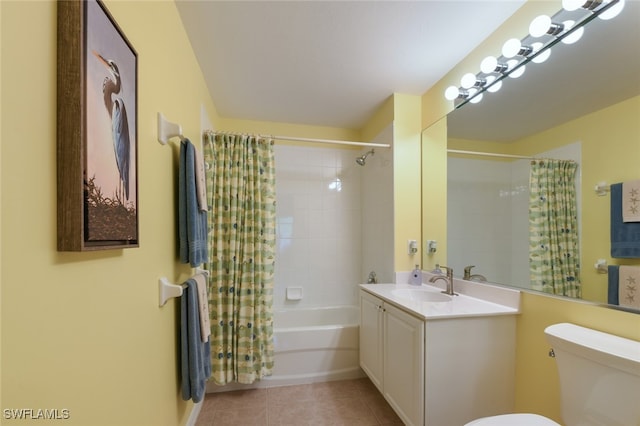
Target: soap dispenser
x=416, y=276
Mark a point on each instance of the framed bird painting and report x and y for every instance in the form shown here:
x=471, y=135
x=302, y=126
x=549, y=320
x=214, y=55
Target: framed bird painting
x=97, y=130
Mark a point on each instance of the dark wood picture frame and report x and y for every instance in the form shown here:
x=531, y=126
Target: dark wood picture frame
x=97, y=134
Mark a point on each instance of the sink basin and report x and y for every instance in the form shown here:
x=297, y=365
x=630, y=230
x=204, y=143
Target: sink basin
x=420, y=295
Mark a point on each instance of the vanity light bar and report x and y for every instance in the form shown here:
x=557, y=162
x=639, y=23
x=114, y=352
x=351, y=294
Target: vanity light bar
x=566, y=25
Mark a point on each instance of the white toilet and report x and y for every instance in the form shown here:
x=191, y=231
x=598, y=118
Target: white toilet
x=599, y=380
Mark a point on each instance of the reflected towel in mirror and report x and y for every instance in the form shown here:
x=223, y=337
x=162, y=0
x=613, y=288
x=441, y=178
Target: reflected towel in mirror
x=631, y=201
x=625, y=236
x=624, y=286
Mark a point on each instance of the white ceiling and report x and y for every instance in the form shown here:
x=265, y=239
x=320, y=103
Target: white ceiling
x=330, y=63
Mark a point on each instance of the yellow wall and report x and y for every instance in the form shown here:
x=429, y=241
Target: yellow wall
x=83, y=331
x=0, y=214
x=380, y=119
x=406, y=179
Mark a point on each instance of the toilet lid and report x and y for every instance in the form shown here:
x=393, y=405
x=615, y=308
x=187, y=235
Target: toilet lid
x=514, y=419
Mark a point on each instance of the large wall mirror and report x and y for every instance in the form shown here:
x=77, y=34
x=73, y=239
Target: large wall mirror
x=582, y=104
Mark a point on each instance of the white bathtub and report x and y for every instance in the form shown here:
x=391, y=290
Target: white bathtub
x=311, y=345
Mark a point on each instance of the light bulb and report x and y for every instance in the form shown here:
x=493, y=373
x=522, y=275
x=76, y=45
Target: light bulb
x=468, y=80
x=476, y=99
x=511, y=48
x=542, y=57
x=491, y=86
x=571, y=5
x=490, y=64
x=518, y=72
x=539, y=26
x=544, y=25
x=451, y=93
x=474, y=96
x=574, y=36
x=495, y=87
x=613, y=11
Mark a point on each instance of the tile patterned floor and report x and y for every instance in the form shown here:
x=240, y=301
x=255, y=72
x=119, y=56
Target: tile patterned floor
x=347, y=402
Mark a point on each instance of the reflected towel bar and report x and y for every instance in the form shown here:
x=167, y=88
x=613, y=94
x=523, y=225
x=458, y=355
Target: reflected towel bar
x=601, y=188
x=601, y=266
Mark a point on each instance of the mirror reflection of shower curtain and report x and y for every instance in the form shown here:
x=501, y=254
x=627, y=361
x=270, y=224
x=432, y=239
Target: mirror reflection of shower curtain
x=553, y=228
x=242, y=201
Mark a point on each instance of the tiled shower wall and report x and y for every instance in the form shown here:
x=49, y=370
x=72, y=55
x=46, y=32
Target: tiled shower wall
x=377, y=214
x=479, y=217
x=318, y=227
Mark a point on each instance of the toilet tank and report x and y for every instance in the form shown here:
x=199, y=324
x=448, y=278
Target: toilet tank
x=599, y=376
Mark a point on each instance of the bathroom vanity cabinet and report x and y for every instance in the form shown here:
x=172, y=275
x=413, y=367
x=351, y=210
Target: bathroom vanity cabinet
x=392, y=355
x=434, y=365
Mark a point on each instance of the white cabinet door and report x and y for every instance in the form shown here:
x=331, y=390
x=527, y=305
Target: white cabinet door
x=404, y=364
x=371, y=338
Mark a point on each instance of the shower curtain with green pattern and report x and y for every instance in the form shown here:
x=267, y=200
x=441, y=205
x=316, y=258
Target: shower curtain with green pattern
x=553, y=228
x=241, y=198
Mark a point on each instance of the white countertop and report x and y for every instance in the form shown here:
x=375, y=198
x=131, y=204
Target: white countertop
x=462, y=305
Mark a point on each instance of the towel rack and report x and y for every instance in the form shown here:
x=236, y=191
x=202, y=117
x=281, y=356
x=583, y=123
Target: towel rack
x=601, y=266
x=168, y=130
x=601, y=188
x=168, y=290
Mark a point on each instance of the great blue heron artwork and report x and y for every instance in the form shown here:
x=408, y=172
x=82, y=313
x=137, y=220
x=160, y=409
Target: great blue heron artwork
x=119, y=122
x=110, y=175
x=97, y=130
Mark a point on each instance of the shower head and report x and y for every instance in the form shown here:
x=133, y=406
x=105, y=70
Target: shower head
x=363, y=159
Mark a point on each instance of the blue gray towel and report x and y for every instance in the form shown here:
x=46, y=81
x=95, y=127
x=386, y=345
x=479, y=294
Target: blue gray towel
x=195, y=355
x=614, y=282
x=192, y=222
x=625, y=236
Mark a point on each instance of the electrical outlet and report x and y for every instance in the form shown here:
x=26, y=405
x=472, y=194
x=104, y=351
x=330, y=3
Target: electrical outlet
x=412, y=247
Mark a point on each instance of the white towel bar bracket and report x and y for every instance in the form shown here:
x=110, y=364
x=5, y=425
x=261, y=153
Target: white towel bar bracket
x=601, y=266
x=601, y=189
x=168, y=290
x=168, y=130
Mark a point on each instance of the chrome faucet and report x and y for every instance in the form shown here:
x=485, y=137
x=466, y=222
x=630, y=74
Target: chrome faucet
x=470, y=277
x=448, y=279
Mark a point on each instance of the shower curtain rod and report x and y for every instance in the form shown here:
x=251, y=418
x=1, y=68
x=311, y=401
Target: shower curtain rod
x=490, y=154
x=168, y=130
x=333, y=141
